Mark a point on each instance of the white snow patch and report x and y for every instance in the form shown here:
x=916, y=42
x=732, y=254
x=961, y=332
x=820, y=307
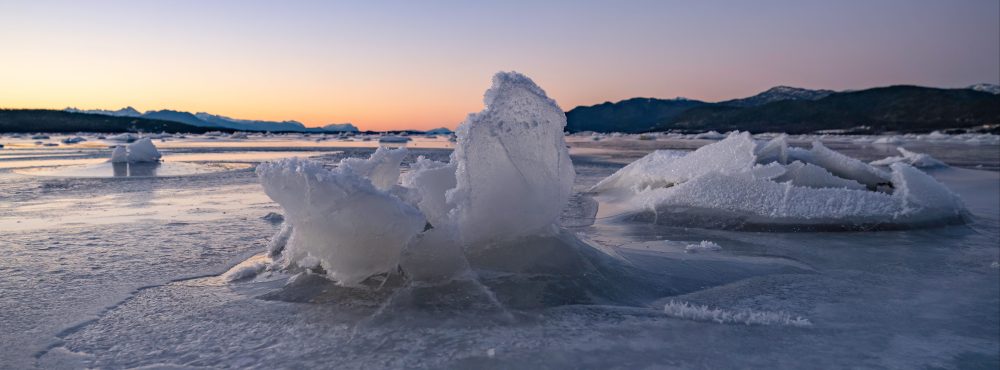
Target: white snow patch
x=688, y=311
x=704, y=246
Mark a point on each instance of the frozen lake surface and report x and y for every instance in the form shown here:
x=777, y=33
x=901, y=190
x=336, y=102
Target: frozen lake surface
x=113, y=270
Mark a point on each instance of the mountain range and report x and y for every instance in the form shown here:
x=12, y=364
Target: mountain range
x=796, y=110
x=779, y=109
x=202, y=119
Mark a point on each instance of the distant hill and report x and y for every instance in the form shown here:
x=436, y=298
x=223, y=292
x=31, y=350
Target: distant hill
x=249, y=125
x=632, y=115
x=46, y=120
x=894, y=108
x=778, y=93
x=124, y=112
x=794, y=110
x=340, y=127
x=177, y=116
x=202, y=119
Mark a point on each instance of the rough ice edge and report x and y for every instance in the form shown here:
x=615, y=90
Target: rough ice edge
x=688, y=311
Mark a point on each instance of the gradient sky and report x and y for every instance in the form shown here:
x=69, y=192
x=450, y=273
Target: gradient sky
x=423, y=64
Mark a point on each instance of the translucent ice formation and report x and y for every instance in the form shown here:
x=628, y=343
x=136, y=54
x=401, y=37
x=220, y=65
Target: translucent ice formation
x=509, y=177
x=141, y=150
x=736, y=184
x=340, y=218
x=513, y=170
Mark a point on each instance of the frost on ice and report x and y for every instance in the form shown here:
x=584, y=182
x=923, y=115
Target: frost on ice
x=509, y=177
x=737, y=183
x=140, y=151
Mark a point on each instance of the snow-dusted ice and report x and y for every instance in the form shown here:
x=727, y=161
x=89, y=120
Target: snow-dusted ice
x=740, y=183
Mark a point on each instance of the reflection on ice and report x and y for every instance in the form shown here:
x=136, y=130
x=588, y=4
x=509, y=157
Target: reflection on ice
x=126, y=169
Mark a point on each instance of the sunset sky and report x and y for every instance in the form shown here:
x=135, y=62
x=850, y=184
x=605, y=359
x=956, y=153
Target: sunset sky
x=423, y=64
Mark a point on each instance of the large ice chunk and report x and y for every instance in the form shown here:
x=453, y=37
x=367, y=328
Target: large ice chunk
x=140, y=151
x=723, y=185
x=513, y=172
x=354, y=229
x=663, y=168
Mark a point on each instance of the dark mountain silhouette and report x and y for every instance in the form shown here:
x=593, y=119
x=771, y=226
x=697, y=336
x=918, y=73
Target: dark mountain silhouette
x=893, y=108
x=632, y=115
x=46, y=120
x=778, y=93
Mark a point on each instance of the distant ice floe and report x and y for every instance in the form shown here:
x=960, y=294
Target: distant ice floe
x=918, y=160
x=741, y=183
x=688, y=311
x=140, y=151
x=509, y=177
x=703, y=246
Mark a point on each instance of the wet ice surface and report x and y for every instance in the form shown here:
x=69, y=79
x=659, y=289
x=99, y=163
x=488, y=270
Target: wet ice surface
x=124, y=272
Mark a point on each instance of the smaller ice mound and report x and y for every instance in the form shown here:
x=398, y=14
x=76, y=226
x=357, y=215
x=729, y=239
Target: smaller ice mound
x=344, y=219
x=918, y=160
x=140, y=151
x=739, y=184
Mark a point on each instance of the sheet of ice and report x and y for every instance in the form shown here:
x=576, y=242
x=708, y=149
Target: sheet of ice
x=513, y=172
x=919, y=160
x=353, y=228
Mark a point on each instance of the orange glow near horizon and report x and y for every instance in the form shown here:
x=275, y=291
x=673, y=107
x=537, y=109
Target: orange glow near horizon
x=408, y=65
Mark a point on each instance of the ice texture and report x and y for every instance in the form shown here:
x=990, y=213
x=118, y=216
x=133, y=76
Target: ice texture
x=513, y=171
x=723, y=185
x=342, y=219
